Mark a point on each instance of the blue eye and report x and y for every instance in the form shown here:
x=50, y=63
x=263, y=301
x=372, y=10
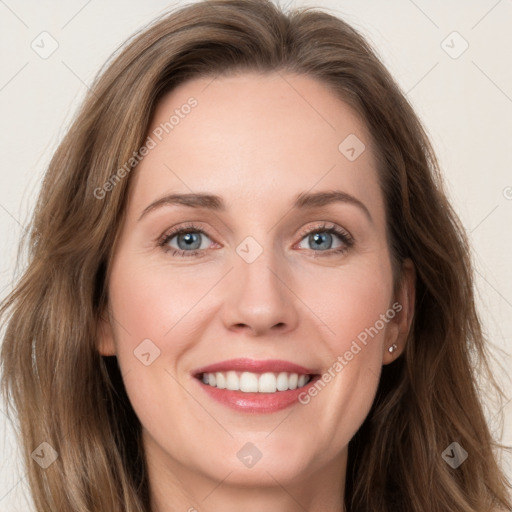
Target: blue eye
x=321, y=237
x=324, y=239
x=190, y=238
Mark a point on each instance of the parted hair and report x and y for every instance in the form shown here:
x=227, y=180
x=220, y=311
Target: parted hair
x=62, y=391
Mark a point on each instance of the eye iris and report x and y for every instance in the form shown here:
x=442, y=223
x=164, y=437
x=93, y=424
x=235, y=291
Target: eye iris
x=320, y=238
x=190, y=239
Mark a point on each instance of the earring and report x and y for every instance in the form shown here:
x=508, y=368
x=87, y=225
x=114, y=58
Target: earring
x=392, y=348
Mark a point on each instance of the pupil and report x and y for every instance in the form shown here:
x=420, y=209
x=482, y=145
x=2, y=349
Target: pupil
x=319, y=238
x=189, y=240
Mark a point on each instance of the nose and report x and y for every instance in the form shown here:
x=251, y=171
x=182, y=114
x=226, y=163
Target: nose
x=259, y=297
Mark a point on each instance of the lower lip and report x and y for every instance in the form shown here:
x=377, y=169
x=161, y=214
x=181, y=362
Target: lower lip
x=256, y=402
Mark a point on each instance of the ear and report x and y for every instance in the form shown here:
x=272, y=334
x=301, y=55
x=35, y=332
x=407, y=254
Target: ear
x=105, y=335
x=403, y=306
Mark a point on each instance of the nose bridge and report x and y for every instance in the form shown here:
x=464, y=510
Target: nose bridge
x=259, y=298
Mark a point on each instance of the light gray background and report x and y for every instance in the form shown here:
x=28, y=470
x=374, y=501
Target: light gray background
x=464, y=102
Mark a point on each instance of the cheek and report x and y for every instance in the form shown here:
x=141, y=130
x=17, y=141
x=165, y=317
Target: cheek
x=356, y=305
x=350, y=300
x=157, y=310
x=151, y=302
x=153, y=309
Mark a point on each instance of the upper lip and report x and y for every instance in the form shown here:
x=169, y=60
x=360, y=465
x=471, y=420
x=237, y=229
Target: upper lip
x=256, y=366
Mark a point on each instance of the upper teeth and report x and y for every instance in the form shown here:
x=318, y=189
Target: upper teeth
x=249, y=382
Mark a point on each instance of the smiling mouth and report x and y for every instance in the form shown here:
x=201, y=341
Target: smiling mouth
x=250, y=382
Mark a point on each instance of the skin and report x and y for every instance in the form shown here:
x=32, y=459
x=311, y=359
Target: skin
x=257, y=142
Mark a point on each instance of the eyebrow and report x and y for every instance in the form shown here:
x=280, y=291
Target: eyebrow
x=304, y=201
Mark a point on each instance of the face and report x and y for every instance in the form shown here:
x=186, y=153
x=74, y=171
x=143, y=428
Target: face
x=286, y=269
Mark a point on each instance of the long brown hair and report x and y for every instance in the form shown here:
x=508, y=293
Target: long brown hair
x=69, y=396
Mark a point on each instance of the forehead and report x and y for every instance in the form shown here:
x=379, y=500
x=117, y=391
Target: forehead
x=256, y=139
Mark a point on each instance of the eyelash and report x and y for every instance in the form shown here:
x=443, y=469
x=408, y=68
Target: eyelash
x=344, y=236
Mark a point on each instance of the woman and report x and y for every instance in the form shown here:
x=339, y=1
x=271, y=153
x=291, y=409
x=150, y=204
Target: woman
x=246, y=286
